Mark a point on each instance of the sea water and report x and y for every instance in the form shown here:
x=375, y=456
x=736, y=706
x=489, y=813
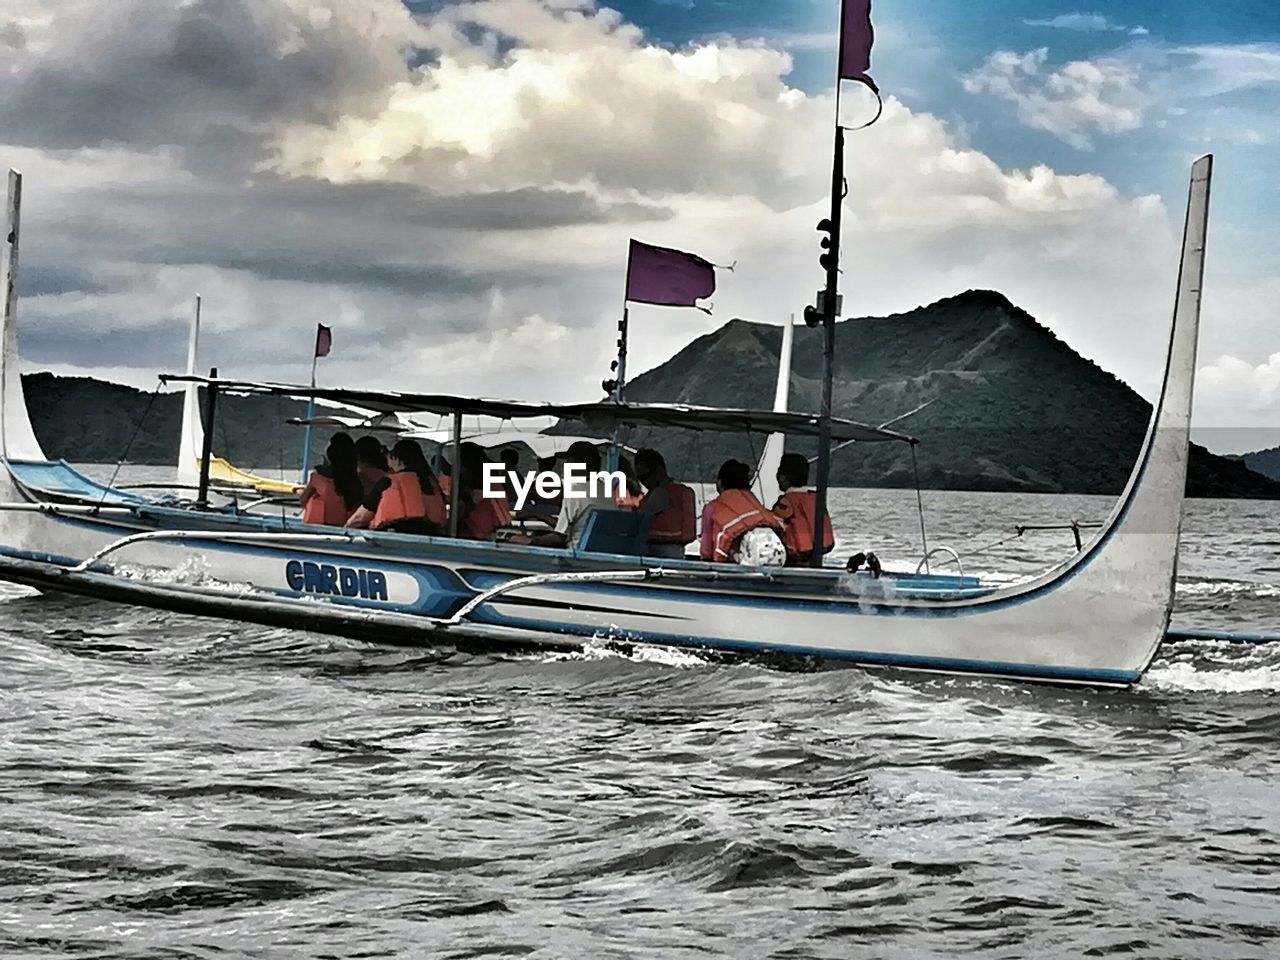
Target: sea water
x=174, y=787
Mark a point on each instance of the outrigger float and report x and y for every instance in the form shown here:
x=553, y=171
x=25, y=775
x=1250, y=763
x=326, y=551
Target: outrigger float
x=1097, y=618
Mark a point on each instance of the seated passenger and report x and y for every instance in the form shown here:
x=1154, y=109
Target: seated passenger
x=333, y=490
x=407, y=500
x=796, y=508
x=672, y=505
x=574, y=510
x=510, y=458
x=479, y=517
x=736, y=527
x=371, y=462
x=630, y=498
x=545, y=506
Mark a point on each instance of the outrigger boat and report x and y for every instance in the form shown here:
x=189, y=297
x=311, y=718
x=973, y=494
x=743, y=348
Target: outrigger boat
x=1096, y=618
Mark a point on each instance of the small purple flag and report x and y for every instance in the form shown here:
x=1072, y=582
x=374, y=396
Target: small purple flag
x=324, y=340
x=667, y=277
x=856, y=37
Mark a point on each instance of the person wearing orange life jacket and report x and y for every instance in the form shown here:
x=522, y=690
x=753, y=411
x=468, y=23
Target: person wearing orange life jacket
x=407, y=500
x=796, y=508
x=371, y=462
x=738, y=528
x=479, y=517
x=672, y=505
x=333, y=490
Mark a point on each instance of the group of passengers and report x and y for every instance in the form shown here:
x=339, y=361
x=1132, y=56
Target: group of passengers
x=363, y=484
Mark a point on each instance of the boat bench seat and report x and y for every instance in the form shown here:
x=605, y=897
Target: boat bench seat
x=614, y=531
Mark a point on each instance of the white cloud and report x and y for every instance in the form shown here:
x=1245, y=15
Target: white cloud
x=580, y=100
x=1083, y=22
x=1073, y=102
x=1242, y=387
x=1238, y=404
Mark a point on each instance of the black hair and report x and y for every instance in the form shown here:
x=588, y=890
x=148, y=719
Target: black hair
x=471, y=460
x=734, y=475
x=580, y=451
x=342, y=461
x=795, y=467
x=369, y=450
x=410, y=454
x=652, y=457
x=510, y=458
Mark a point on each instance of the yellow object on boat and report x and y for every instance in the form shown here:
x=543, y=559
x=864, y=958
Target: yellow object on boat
x=221, y=471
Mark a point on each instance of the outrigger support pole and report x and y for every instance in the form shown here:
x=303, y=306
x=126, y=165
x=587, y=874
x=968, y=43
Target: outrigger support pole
x=206, y=453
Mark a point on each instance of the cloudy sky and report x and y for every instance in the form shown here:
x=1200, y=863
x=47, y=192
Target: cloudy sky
x=452, y=185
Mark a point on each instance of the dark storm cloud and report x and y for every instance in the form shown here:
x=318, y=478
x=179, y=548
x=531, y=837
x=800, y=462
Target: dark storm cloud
x=392, y=237
x=42, y=278
x=80, y=341
x=147, y=72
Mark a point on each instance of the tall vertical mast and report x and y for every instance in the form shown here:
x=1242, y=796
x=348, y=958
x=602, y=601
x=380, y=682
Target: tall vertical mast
x=852, y=63
x=832, y=261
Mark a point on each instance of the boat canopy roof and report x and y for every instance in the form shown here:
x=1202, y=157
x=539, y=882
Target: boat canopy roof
x=602, y=415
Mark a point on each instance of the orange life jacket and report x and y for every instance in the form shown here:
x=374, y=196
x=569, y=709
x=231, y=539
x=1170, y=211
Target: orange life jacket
x=404, y=500
x=796, y=509
x=486, y=515
x=325, y=505
x=733, y=513
x=678, y=524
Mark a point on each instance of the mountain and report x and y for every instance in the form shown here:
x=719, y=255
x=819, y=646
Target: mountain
x=89, y=421
x=1014, y=408
x=1265, y=462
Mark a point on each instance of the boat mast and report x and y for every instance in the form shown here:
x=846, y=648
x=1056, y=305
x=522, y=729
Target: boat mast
x=852, y=62
x=830, y=260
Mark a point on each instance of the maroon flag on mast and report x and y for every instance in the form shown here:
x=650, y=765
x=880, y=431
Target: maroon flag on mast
x=324, y=340
x=667, y=277
x=856, y=37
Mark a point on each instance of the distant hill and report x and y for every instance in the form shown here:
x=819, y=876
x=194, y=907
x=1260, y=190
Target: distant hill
x=88, y=421
x=1265, y=462
x=1014, y=407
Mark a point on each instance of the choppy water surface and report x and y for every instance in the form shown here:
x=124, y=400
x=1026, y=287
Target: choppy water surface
x=182, y=788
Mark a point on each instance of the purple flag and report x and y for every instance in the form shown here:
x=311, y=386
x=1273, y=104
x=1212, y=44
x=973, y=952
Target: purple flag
x=324, y=340
x=669, y=278
x=856, y=37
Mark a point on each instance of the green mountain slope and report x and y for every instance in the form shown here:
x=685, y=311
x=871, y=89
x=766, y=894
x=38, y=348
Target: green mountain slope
x=1014, y=408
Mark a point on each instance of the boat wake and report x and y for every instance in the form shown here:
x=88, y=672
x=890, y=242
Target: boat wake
x=1208, y=666
x=1228, y=589
x=601, y=649
x=14, y=591
x=191, y=572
